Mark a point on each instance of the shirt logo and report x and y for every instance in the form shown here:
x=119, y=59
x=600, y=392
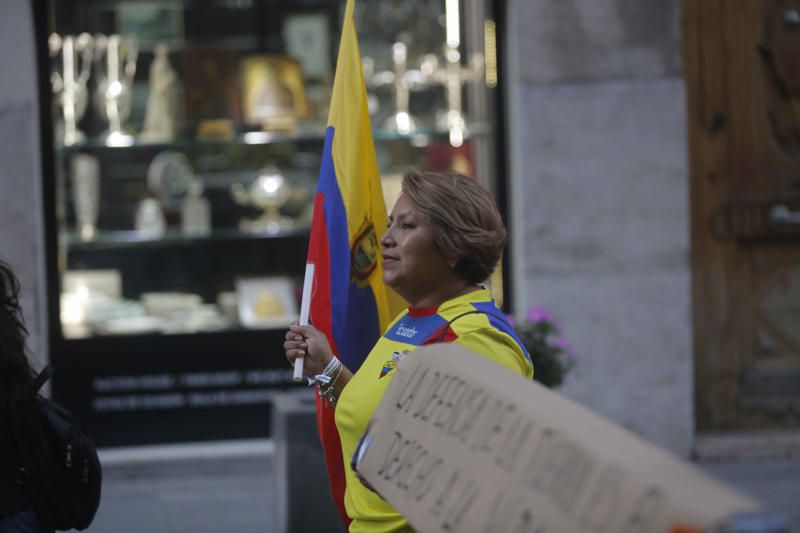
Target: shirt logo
x=408, y=333
x=388, y=366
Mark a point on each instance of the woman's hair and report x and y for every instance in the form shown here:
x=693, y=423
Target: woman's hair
x=20, y=421
x=467, y=224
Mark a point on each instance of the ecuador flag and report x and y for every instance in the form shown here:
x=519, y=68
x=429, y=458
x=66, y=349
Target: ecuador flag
x=349, y=302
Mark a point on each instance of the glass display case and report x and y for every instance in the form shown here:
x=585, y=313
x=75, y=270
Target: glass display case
x=186, y=143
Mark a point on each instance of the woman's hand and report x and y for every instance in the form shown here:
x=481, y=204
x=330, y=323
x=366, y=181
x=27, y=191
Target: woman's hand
x=309, y=343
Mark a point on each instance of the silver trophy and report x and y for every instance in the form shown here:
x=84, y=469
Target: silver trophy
x=73, y=62
x=430, y=73
x=402, y=80
x=401, y=121
x=85, y=173
x=456, y=75
x=405, y=81
x=117, y=66
x=269, y=191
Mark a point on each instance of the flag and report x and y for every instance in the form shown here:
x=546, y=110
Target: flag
x=349, y=301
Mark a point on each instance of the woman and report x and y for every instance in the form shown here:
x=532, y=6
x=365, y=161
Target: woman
x=21, y=438
x=445, y=237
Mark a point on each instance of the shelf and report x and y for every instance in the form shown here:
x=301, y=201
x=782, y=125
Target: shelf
x=419, y=137
x=86, y=334
x=134, y=239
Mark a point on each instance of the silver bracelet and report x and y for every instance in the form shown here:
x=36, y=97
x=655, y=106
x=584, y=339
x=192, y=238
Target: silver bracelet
x=327, y=374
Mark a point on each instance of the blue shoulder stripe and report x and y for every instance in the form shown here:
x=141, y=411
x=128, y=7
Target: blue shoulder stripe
x=499, y=321
x=414, y=330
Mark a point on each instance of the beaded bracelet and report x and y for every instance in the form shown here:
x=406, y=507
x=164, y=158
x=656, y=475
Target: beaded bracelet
x=327, y=390
x=327, y=379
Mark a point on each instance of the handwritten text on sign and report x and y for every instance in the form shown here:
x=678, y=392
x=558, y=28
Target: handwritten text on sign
x=461, y=444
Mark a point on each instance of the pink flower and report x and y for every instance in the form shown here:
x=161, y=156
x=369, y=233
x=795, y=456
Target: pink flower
x=562, y=344
x=538, y=313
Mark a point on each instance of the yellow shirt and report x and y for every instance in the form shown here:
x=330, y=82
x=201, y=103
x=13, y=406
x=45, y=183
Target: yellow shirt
x=484, y=329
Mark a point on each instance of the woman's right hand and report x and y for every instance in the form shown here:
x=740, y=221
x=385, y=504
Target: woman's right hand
x=310, y=344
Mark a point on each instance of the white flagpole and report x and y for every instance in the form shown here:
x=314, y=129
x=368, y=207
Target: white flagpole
x=305, y=304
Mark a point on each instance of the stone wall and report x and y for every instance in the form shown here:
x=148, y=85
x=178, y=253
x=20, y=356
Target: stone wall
x=21, y=222
x=600, y=188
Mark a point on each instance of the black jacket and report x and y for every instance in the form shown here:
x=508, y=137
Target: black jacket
x=12, y=499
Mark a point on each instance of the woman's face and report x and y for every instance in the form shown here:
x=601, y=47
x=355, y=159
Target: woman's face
x=412, y=263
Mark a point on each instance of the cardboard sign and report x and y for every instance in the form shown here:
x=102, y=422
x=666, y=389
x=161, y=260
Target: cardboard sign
x=459, y=443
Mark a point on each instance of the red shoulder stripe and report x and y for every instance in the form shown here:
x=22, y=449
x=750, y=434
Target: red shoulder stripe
x=449, y=336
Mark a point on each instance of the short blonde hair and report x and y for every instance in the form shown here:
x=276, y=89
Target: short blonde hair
x=466, y=222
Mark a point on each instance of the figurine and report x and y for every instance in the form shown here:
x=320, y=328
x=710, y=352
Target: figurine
x=159, y=119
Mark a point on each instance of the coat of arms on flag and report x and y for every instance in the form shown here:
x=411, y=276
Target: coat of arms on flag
x=364, y=252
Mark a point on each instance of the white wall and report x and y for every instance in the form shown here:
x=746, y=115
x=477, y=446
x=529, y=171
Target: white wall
x=600, y=185
x=21, y=223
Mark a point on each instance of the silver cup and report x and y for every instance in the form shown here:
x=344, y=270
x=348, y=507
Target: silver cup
x=116, y=57
x=269, y=191
x=72, y=62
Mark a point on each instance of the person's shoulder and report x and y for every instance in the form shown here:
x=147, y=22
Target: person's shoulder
x=476, y=314
x=498, y=346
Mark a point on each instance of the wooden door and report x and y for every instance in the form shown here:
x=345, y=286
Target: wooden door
x=742, y=69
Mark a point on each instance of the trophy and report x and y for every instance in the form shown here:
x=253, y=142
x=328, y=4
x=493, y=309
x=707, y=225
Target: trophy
x=85, y=173
x=455, y=75
x=269, y=191
x=403, y=81
x=117, y=57
x=401, y=121
x=69, y=80
x=430, y=73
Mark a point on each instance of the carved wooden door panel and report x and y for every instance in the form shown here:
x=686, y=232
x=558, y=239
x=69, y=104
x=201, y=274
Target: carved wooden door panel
x=742, y=69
